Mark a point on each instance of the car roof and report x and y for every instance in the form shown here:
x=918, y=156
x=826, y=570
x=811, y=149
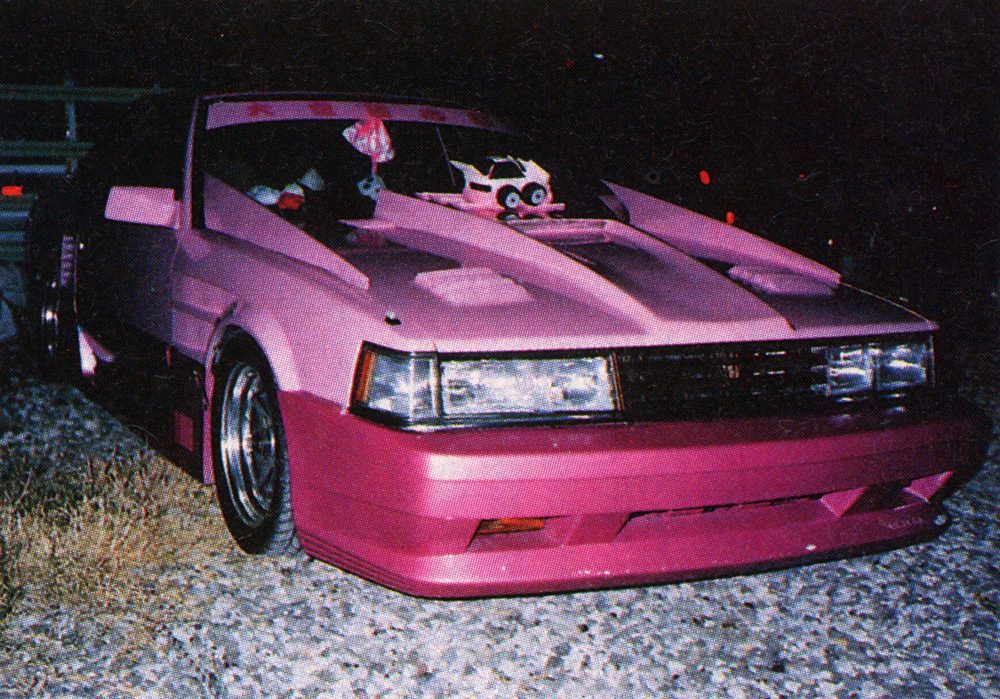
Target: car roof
x=231, y=108
x=251, y=96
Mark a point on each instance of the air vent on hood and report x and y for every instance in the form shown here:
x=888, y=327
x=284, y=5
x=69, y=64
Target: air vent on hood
x=472, y=286
x=777, y=282
x=563, y=230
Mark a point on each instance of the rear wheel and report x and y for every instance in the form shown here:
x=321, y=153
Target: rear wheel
x=534, y=194
x=249, y=453
x=56, y=340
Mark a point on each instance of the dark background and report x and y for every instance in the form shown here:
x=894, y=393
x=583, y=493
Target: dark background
x=863, y=134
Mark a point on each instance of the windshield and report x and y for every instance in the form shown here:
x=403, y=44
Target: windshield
x=312, y=174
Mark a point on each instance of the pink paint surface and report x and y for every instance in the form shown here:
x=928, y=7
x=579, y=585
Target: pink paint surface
x=233, y=110
x=153, y=206
x=666, y=298
x=624, y=505
x=705, y=237
x=775, y=281
x=229, y=211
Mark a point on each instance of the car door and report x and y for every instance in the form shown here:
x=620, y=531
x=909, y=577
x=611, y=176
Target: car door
x=125, y=267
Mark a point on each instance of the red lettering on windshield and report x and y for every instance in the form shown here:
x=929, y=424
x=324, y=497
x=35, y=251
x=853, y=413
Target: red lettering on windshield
x=259, y=109
x=432, y=115
x=378, y=111
x=322, y=109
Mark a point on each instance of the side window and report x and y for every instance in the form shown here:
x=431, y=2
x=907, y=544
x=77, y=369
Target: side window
x=311, y=158
x=158, y=148
x=148, y=147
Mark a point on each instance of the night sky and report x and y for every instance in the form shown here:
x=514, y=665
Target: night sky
x=864, y=134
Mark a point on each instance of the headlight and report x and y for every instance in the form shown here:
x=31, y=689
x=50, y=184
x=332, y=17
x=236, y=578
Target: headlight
x=900, y=366
x=426, y=388
x=400, y=384
x=851, y=370
x=531, y=386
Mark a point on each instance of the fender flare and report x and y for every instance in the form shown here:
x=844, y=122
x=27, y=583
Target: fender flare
x=265, y=330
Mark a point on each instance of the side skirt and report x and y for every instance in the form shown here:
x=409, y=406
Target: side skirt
x=160, y=394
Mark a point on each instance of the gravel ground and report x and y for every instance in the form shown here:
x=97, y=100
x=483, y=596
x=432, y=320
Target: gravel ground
x=920, y=622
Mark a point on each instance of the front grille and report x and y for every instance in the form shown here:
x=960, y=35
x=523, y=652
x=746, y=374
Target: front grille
x=726, y=380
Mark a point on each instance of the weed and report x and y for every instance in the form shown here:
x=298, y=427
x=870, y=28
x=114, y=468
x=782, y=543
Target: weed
x=98, y=537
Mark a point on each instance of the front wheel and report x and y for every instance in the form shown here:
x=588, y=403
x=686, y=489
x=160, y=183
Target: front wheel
x=250, y=456
x=509, y=198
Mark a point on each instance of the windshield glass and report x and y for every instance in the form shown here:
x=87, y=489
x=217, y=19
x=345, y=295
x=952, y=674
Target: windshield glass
x=312, y=174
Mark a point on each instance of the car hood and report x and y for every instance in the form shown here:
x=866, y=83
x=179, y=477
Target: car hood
x=468, y=283
x=456, y=282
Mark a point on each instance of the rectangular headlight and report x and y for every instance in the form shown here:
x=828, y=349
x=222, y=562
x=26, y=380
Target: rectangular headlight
x=530, y=386
x=849, y=370
x=418, y=388
x=903, y=365
x=885, y=367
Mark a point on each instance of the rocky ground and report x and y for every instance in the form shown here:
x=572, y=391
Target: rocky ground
x=919, y=622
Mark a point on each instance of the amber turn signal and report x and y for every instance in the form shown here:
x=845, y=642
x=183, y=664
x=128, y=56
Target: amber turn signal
x=510, y=525
x=364, y=375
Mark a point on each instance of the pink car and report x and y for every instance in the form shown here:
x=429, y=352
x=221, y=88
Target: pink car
x=622, y=392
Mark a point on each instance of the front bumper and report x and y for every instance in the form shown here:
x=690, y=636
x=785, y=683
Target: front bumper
x=623, y=504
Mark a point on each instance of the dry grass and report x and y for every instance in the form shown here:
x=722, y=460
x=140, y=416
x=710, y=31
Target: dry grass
x=99, y=540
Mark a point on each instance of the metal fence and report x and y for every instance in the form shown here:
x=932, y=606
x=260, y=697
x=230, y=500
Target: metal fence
x=24, y=161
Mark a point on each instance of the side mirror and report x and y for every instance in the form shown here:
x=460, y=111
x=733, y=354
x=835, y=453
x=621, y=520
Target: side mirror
x=149, y=206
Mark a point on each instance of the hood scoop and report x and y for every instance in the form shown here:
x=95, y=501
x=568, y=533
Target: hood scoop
x=704, y=237
x=563, y=230
x=778, y=282
x=472, y=287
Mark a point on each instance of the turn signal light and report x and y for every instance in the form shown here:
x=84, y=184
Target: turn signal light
x=510, y=525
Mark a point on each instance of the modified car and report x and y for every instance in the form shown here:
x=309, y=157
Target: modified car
x=616, y=391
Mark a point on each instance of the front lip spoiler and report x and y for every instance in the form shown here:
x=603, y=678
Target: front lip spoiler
x=459, y=577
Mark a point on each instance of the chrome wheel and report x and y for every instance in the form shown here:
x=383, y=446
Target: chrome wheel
x=248, y=442
x=54, y=333
x=48, y=320
x=249, y=454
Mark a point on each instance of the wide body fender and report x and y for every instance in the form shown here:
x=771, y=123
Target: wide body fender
x=309, y=333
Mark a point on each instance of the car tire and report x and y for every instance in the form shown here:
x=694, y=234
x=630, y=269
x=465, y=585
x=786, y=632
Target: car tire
x=509, y=198
x=249, y=453
x=534, y=194
x=56, y=341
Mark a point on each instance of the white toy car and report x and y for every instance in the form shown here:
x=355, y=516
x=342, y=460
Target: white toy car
x=511, y=187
